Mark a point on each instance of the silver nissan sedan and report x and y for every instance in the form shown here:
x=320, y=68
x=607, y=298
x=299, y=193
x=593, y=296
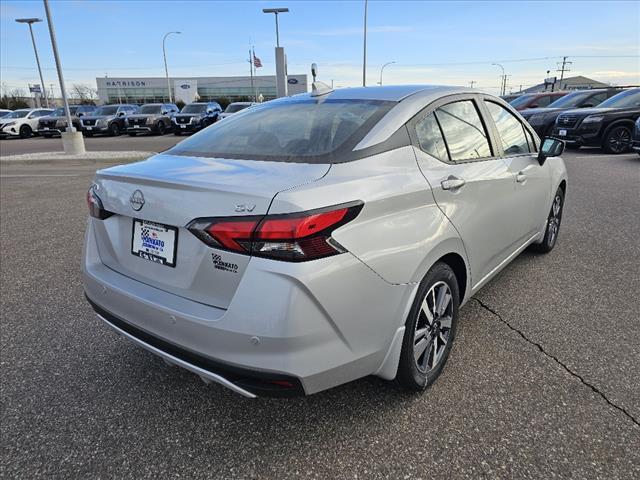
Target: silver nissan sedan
x=316, y=239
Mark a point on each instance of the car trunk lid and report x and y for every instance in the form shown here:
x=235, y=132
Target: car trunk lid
x=172, y=190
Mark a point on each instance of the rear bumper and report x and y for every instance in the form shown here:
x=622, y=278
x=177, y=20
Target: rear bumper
x=307, y=326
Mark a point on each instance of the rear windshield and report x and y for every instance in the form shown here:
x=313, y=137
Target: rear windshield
x=309, y=131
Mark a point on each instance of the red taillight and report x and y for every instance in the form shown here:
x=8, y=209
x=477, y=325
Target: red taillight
x=294, y=237
x=95, y=205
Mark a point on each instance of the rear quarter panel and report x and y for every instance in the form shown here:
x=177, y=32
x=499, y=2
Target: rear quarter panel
x=400, y=232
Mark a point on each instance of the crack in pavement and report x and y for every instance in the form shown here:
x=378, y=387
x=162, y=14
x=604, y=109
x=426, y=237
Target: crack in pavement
x=565, y=367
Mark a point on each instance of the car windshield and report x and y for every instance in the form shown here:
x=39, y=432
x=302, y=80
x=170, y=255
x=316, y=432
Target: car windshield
x=235, y=107
x=571, y=100
x=292, y=130
x=106, y=110
x=150, y=109
x=18, y=114
x=628, y=98
x=59, y=112
x=194, y=108
x=521, y=100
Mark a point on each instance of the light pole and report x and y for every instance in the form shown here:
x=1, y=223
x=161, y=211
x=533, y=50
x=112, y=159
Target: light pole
x=281, y=67
x=382, y=70
x=72, y=141
x=502, y=79
x=166, y=69
x=364, y=49
x=30, y=22
x=276, y=11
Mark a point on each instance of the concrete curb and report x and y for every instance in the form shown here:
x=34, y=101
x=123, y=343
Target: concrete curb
x=88, y=158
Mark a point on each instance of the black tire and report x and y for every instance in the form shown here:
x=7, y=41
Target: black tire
x=114, y=129
x=617, y=140
x=416, y=374
x=132, y=134
x=161, y=128
x=25, y=131
x=553, y=225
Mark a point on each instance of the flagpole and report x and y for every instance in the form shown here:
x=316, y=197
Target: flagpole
x=253, y=62
x=251, y=68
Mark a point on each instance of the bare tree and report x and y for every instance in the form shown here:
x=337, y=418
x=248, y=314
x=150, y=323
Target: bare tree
x=13, y=98
x=84, y=94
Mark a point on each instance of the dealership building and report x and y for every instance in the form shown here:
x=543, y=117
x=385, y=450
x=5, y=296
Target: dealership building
x=189, y=89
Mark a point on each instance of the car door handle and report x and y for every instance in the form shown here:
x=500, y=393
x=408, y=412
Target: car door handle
x=452, y=183
x=521, y=177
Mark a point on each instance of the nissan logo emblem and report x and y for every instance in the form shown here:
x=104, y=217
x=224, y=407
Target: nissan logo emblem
x=137, y=200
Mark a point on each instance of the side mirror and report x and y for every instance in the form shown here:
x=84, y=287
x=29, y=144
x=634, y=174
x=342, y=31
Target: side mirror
x=551, y=147
x=164, y=112
x=80, y=114
x=209, y=110
x=122, y=113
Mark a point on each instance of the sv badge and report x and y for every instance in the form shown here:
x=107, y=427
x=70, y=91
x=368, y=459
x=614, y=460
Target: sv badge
x=243, y=207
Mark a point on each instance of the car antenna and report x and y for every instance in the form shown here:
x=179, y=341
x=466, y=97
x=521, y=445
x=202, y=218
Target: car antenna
x=318, y=88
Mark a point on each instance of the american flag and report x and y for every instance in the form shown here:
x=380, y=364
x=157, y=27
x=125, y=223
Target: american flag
x=256, y=61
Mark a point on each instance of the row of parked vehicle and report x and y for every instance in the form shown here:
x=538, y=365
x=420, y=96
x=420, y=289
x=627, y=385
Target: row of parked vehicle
x=151, y=118
x=602, y=118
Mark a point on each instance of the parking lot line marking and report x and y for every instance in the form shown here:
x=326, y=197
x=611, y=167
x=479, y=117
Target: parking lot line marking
x=624, y=155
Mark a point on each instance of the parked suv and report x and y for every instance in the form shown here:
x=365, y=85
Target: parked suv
x=107, y=119
x=535, y=100
x=543, y=119
x=196, y=116
x=56, y=123
x=235, y=107
x=609, y=125
x=320, y=238
x=152, y=118
x=22, y=123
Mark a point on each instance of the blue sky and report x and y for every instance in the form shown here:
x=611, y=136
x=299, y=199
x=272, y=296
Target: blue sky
x=432, y=42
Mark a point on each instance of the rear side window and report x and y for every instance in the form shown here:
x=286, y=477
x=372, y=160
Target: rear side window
x=430, y=137
x=289, y=130
x=463, y=131
x=510, y=129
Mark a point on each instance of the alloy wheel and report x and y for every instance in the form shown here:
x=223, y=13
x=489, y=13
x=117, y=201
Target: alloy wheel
x=619, y=140
x=554, y=220
x=433, y=327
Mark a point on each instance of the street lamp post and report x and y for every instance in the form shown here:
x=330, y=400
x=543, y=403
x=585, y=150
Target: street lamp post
x=382, y=70
x=72, y=141
x=30, y=22
x=281, y=67
x=502, y=78
x=166, y=69
x=364, y=48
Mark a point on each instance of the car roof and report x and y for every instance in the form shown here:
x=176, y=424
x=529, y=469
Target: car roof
x=391, y=93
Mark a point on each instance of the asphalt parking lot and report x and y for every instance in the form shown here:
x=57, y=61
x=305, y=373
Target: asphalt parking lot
x=543, y=382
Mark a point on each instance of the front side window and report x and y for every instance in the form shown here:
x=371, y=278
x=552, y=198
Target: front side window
x=463, y=131
x=289, y=130
x=430, y=137
x=510, y=130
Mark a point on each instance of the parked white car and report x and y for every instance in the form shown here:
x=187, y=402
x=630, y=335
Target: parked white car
x=22, y=123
